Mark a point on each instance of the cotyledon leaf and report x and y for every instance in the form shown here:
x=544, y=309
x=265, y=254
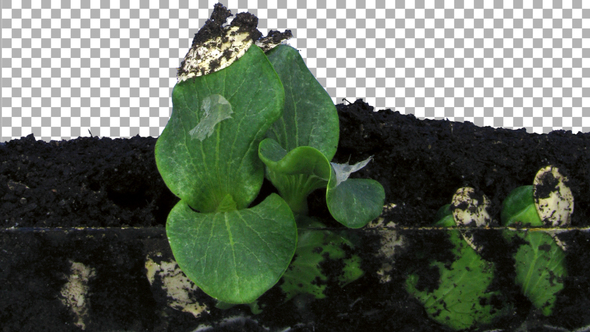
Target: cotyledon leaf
x=355, y=202
x=234, y=256
x=310, y=117
x=310, y=120
x=229, y=111
x=296, y=173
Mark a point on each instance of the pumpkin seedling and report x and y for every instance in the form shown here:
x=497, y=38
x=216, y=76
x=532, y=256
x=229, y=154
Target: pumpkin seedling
x=230, y=96
x=540, y=260
x=462, y=299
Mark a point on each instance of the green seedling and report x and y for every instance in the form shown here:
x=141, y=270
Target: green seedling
x=230, y=96
x=300, y=145
x=540, y=259
x=232, y=252
x=462, y=299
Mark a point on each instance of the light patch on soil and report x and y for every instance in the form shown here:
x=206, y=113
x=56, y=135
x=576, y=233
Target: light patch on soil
x=390, y=240
x=179, y=288
x=75, y=290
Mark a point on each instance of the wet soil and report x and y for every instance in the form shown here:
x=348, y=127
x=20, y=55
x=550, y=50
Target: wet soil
x=101, y=182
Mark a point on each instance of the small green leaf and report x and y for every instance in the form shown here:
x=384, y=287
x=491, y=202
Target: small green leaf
x=519, y=208
x=444, y=215
x=539, y=261
x=355, y=202
x=234, y=256
x=227, y=204
x=296, y=174
x=301, y=160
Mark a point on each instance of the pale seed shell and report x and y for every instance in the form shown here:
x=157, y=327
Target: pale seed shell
x=554, y=200
x=470, y=209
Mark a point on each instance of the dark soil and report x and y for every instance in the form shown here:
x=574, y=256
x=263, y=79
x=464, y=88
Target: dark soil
x=114, y=182
x=92, y=182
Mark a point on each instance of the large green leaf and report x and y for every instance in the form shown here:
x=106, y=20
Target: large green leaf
x=539, y=261
x=352, y=202
x=310, y=117
x=234, y=256
x=462, y=299
x=209, y=146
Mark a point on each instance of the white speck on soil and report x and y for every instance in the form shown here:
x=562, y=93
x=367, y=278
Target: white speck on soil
x=179, y=288
x=75, y=291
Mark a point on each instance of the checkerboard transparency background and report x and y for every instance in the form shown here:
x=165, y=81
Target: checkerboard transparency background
x=108, y=67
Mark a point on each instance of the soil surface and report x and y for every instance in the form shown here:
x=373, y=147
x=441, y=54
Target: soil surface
x=92, y=182
x=421, y=163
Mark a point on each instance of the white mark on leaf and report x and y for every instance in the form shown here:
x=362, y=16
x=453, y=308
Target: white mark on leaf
x=216, y=109
x=343, y=170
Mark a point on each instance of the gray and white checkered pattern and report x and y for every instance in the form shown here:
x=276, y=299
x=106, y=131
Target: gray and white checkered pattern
x=109, y=66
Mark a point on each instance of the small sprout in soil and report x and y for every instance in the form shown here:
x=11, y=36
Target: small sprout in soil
x=238, y=116
x=540, y=260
